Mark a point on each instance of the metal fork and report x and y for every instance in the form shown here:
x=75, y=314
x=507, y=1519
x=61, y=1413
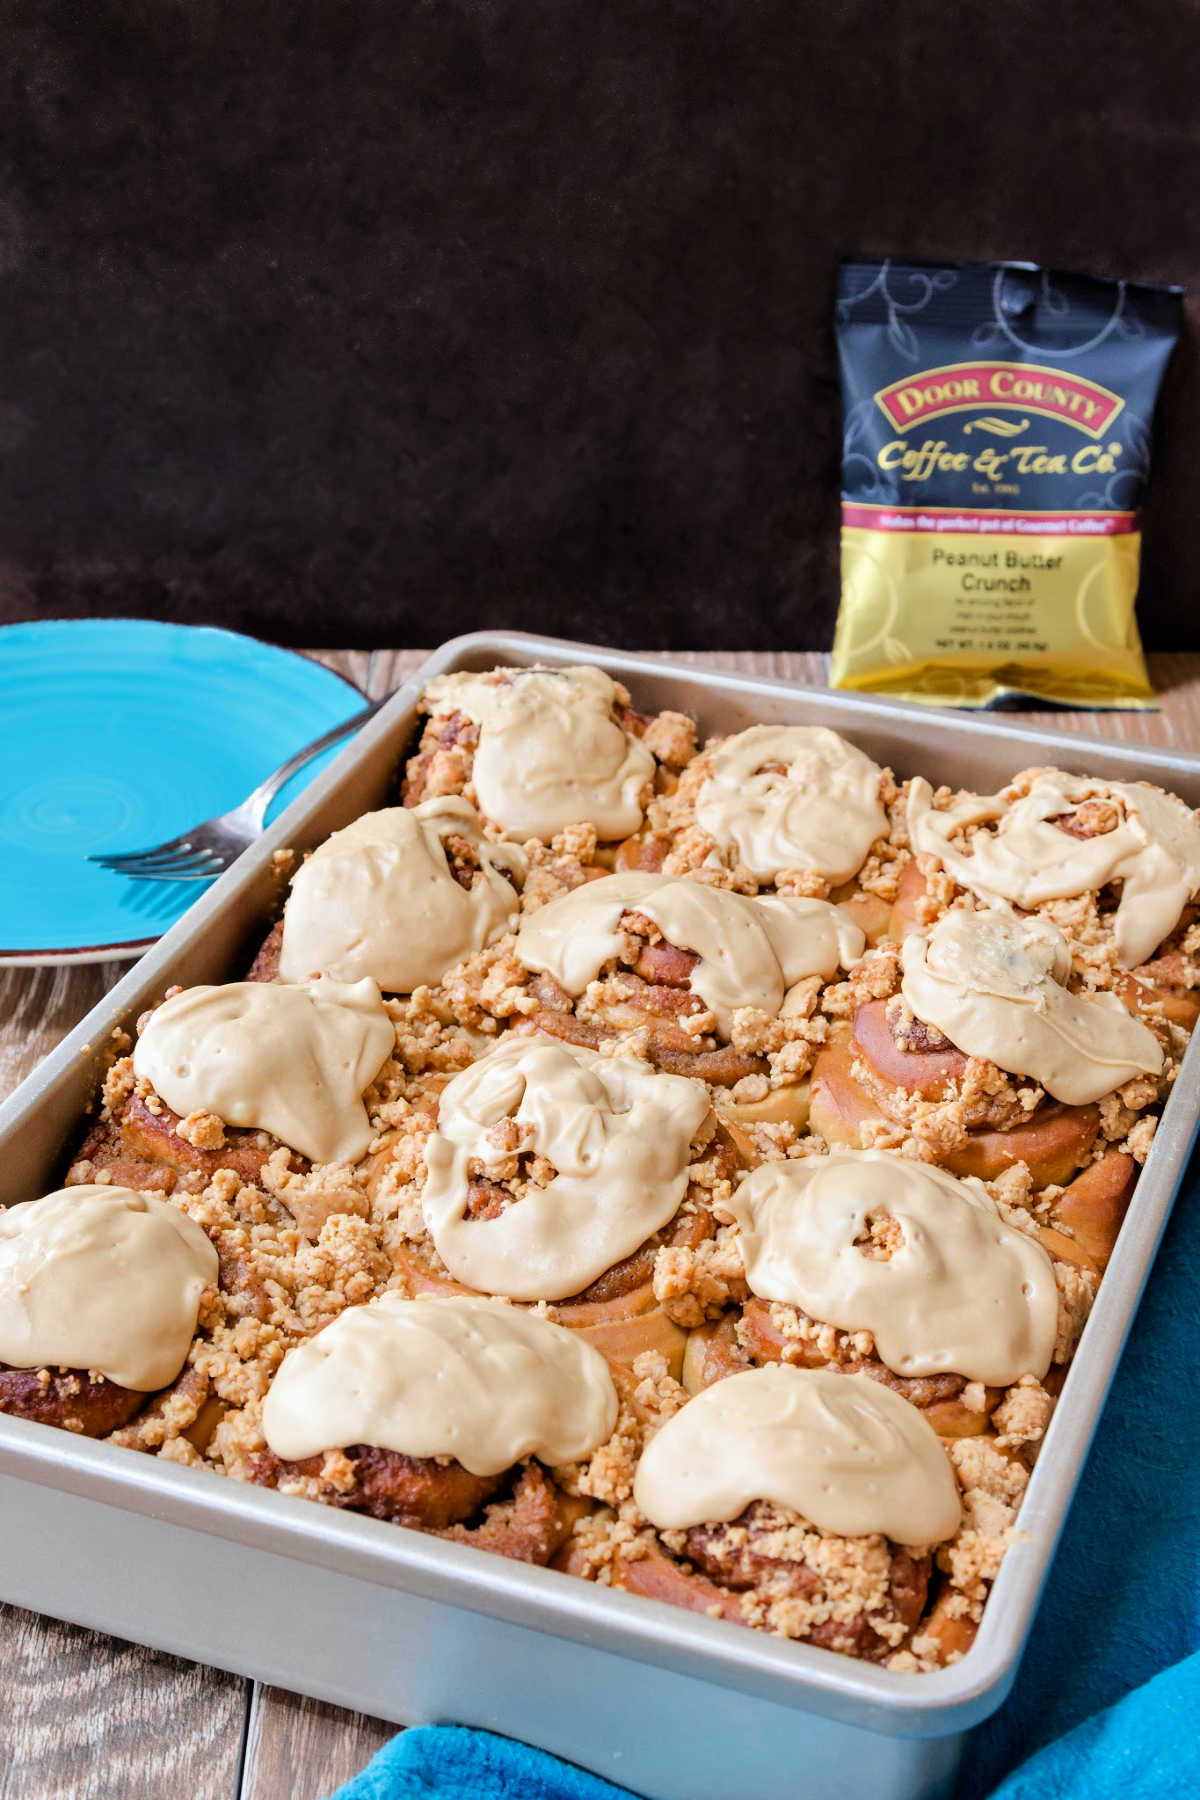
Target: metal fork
x=207, y=849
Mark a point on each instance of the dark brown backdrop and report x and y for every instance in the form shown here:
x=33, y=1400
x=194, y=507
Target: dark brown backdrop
x=373, y=321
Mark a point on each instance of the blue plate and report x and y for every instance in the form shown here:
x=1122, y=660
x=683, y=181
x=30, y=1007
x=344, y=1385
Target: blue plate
x=118, y=733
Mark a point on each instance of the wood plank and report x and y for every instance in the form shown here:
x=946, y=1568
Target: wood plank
x=304, y=1749
x=92, y=1718
x=39, y=1006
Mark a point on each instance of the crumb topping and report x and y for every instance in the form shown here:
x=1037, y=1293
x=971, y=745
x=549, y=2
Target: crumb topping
x=846, y=1063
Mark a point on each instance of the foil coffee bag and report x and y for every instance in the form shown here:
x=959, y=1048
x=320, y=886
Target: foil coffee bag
x=996, y=446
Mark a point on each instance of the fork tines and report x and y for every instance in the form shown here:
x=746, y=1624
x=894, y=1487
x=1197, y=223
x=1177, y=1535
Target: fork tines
x=181, y=861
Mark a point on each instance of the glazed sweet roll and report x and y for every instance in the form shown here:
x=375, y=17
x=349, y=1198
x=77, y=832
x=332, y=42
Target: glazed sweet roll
x=557, y=1175
x=995, y=987
x=100, y=1291
x=550, y=1164
x=399, y=897
x=711, y=980
x=263, y=1081
x=290, y=1061
x=793, y=806
x=444, y=1415
x=796, y=1500
x=926, y=1288
x=1051, y=836
x=539, y=750
x=873, y=1242
x=989, y=1051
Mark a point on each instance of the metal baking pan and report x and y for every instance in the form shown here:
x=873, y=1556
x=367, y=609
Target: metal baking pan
x=676, y=1705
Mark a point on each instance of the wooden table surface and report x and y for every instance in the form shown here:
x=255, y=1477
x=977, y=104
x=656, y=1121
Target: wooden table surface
x=89, y=1718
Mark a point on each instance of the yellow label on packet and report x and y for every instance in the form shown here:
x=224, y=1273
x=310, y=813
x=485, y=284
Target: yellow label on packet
x=994, y=460
x=955, y=618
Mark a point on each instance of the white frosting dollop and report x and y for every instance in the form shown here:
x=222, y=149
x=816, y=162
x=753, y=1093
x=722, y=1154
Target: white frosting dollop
x=550, y=752
x=379, y=899
x=293, y=1061
x=1153, y=850
x=963, y=1293
x=618, y=1134
x=844, y=1452
x=819, y=809
x=993, y=984
x=102, y=1278
x=464, y=1377
x=751, y=950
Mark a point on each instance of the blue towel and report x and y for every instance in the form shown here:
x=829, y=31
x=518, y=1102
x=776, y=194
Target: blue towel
x=1107, y=1701
x=1122, y=1605
x=449, y=1762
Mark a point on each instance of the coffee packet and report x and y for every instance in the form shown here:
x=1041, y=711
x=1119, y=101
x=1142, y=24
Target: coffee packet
x=996, y=447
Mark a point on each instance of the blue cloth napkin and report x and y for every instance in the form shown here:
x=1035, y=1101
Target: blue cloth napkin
x=1107, y=1702
x=1113, y=1647
x=449, y=1762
